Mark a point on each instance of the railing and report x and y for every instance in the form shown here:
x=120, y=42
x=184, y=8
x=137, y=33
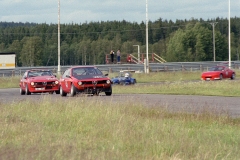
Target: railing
x=135, y=59
x=158, y=58
x=153, y=67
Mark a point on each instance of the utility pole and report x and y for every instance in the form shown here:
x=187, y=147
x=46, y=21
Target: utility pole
x=59, y=68
x=147, y=61
x=229, y=36
x=214, y=54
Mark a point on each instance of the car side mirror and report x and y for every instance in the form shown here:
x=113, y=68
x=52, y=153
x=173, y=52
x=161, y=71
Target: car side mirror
x=68, y=76
x=106, y=74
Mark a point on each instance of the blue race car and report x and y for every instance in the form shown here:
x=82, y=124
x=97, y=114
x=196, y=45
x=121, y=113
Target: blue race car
x=124, y=78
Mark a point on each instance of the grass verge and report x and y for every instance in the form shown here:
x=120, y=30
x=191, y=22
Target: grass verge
x=207, y=88
x=93, y=129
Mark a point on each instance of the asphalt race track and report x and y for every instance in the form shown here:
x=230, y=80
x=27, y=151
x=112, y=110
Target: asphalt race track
x=183, y=103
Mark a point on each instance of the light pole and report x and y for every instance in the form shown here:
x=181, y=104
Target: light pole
x=229, y=36
x=138, y=53
x=213, y=25
x=59, y=68
x=147, y=62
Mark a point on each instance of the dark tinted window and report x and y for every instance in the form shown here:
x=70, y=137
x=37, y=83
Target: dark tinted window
x=86, y=71
x=39, y=73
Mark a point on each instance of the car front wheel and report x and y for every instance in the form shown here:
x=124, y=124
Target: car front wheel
x=58, y=91
x=73, y=91
x=62, y=93
x=109, y=93
x=22, y=92
x=27, y=90
x=220, y=76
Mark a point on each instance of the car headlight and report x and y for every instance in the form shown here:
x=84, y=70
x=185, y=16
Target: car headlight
x=108, y=81
x=56, y=82
x=79, y=83
x=32, y=83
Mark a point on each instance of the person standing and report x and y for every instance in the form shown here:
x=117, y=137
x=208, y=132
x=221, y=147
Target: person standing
x=112, y=55
x=118, y=56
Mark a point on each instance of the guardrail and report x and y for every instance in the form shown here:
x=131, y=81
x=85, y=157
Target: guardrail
x=153, y=67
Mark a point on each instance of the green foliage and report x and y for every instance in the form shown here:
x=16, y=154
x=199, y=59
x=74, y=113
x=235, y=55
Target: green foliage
x=31, y=54
x=89, y=43
x=195, y=44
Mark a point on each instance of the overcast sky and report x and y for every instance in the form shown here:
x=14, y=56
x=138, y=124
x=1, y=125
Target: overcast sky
x=81, y=11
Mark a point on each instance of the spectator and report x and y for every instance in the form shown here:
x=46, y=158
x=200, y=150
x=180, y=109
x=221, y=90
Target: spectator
x=129, y=59
x=112, y=55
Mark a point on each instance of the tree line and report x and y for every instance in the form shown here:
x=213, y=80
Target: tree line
x=89, y=43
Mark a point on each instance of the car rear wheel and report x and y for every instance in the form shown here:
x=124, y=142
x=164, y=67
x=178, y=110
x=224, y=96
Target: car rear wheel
x=73, y=91
x=62, y=93
x=134, y=81
x=233, y=76
x=22, y=92
x=27, y=90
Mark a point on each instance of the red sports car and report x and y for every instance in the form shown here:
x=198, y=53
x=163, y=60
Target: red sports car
x=218, y=72
x=38, y=81
x=85, y=79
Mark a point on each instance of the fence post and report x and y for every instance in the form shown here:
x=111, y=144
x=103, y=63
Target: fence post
x=13, y=73
x=110, y=70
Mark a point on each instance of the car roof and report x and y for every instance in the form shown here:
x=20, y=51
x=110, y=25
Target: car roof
x=84, y=67
x=219, y=66
x=38, y=70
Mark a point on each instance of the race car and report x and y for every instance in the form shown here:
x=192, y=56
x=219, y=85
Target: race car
x=38, y=81
x=124, y=78
x=218, y=73
x=85, y=80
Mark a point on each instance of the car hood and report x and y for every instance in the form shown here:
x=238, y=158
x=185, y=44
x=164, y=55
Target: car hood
x=211, y=72
x=43, y=78
x=91, y=77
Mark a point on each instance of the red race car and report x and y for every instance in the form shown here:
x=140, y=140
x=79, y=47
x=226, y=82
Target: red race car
x=218, y=72
x=85, y=79
x=38, y=81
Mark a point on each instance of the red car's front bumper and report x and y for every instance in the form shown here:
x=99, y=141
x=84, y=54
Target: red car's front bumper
x=43, y=88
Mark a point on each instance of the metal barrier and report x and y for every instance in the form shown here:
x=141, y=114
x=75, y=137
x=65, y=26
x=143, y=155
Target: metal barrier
x=153, y=67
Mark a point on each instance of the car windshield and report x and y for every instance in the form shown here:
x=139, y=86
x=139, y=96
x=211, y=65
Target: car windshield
x=39, y=73
x=123, y=74
x=216, y=69
x=86, y=72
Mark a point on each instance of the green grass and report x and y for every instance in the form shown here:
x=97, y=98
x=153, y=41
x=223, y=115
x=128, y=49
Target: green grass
x=163, y=76
x=9, y=82
x=88, y=128
x=209, y=88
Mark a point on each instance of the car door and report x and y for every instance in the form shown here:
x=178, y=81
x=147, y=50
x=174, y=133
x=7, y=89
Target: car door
x=23, y=81
x=227, y=72
x=66, y=81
